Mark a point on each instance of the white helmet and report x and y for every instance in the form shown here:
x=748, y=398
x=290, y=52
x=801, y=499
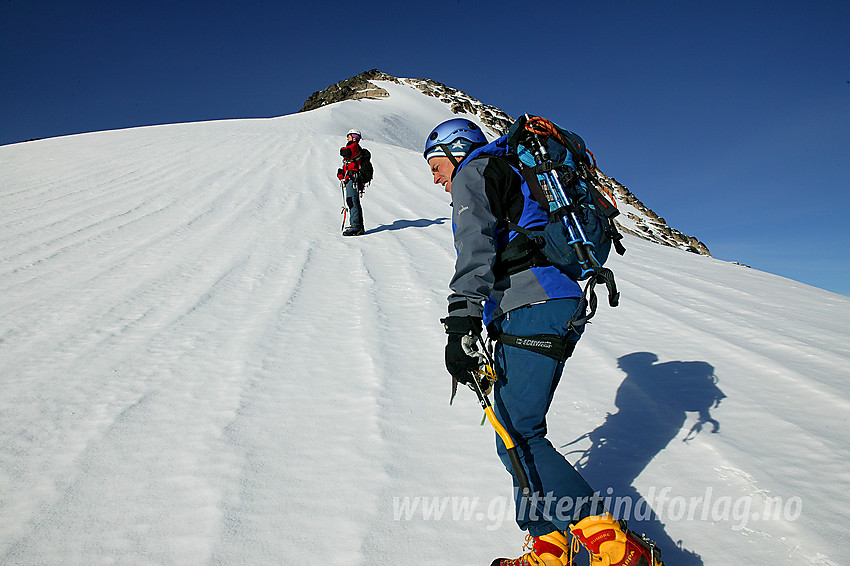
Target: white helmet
x=354, y=132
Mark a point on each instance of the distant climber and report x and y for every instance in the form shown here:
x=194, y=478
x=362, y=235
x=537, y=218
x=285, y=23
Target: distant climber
x=352, y=182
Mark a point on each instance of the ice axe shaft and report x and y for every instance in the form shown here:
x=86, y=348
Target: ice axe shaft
x=513, y=454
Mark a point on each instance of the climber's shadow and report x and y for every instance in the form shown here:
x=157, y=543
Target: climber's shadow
x=652, y=406
x=402, y=224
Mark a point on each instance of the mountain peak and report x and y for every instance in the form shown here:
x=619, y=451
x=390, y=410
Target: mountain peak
x=361, y=86
x=636, y=218
x=354, y=88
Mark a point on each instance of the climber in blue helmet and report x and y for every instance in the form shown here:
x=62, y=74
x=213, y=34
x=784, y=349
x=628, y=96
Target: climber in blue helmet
x=527, y=306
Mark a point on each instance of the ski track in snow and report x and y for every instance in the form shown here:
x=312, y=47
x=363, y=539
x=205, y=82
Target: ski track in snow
x=198, y=369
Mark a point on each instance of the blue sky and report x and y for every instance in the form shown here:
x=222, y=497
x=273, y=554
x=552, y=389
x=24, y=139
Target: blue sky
x=729, y=119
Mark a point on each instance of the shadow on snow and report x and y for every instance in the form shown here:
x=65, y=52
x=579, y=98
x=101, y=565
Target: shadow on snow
x=402, y=224
x=652, y=406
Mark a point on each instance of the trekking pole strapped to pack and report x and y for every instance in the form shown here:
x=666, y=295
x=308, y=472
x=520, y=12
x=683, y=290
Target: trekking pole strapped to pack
x=558, y=177
x=561, y=205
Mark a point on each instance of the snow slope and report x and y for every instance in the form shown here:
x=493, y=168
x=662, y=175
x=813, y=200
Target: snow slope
x=198, y=369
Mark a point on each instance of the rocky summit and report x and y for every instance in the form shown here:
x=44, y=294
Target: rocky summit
x=355, y=88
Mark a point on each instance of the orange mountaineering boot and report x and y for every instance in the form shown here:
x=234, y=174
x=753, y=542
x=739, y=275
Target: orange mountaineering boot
x=611, y=544
x=548, y=550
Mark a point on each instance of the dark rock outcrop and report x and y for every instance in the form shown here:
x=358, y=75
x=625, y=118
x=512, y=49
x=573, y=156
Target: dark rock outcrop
x=355, y=88
x=462, y=103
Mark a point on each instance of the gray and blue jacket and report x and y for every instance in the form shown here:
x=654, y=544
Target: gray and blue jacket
x=487, y=192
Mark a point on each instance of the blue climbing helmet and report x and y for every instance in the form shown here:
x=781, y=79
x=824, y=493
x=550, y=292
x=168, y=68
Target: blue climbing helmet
x=454, y=139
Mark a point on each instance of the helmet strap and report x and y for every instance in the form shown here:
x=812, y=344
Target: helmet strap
x=448, y=153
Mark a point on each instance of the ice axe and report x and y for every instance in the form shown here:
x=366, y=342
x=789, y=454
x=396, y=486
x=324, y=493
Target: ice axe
x=489, y=374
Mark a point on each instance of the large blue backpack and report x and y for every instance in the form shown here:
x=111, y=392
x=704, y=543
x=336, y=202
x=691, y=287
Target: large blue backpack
x=561, y=176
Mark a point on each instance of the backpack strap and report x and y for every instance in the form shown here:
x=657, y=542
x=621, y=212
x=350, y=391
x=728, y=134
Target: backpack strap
x=525, y=250
x=610, y=211
x=603, y=275
x=527, y=173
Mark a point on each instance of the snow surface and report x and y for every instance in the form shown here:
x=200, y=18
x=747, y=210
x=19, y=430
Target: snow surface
x=198, y=369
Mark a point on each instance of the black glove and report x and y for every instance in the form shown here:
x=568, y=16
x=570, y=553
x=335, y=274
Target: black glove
x=340, y=172
x=462, y=341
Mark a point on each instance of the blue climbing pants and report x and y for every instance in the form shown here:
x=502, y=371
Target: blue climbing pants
x=522, y=396
x=352, y=201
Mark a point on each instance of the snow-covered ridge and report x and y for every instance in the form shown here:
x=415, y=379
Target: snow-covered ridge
x=197, y=369
x=636, y=218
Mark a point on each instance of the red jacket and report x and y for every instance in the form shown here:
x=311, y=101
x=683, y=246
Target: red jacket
x=351, y=160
